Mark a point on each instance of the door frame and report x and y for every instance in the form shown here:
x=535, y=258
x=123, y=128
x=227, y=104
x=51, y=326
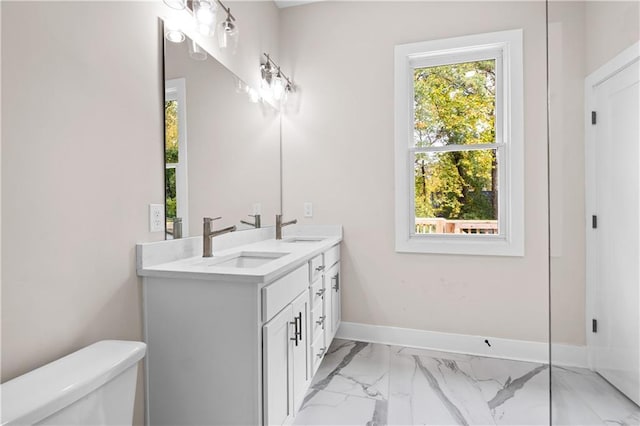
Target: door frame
x=621, y=61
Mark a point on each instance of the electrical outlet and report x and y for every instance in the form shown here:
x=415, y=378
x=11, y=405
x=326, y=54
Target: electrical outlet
x=308, y=209
x=156, y=218
x=257, y=208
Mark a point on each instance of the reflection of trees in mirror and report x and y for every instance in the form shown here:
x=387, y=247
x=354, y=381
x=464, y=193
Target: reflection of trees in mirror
x=171, y=131
x=171, y=156
x=170, y=191
x=455, y=105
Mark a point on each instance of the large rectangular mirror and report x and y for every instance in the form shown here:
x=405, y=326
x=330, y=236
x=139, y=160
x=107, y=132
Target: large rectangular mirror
x=222, y=149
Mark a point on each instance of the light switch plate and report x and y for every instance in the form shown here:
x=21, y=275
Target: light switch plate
x=308, y=209
x=156, y=217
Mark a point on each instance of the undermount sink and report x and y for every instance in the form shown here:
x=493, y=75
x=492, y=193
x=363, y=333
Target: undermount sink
x=303, y=240
x=246, y=259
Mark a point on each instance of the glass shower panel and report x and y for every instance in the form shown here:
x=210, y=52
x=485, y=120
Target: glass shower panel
x=594, y=206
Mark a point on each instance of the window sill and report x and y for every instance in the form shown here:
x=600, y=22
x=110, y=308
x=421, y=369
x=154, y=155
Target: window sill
x=460, y=245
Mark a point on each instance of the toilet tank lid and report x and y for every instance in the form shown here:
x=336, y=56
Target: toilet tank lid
x=45, y=390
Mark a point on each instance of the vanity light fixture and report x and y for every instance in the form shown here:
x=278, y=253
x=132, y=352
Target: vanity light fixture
x=274, y=81
x=228, y=31
x=204, y=13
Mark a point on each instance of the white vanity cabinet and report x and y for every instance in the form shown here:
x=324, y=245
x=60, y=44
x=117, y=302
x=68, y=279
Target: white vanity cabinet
x=300, y=348
x=277, y=358
x=332, y=278
x=228, y=347
x=317, y=323
x=285, y=345
x=332, y=293
x=325, y=303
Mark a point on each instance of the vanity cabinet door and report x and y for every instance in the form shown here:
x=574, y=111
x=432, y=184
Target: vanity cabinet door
x=277, y=362
x=333, y=289
x=300, y=371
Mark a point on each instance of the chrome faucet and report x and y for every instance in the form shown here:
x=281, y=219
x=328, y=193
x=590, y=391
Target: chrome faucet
x=208, y=233
x=256, y=223
x=177, y=228
x=280, y=224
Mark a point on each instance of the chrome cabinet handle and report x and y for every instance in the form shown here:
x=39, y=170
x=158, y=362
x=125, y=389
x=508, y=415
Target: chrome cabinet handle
x=320, y=268
x=321, y=352
x=336, y=287
x=320, y=292
x=321, y=320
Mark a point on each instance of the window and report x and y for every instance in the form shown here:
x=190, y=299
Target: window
x=459, y=145
x=175, y=151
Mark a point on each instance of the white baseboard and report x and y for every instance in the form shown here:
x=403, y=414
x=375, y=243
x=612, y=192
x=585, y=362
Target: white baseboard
x=521, y=350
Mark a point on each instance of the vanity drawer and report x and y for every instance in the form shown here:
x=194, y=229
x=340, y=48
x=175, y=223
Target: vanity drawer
x=331, y=256
x=318, y=349
x=316, y=266
x=318, y=321
x=281, y=292
x=316, y=291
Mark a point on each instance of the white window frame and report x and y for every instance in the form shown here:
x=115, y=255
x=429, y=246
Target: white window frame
x=506, y=48
x=176, y=90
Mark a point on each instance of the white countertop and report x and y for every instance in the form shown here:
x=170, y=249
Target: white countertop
x=197, y=267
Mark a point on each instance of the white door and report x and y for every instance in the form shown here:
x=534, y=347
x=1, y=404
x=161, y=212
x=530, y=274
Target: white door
x=614, y=242
x=299, y=356
x=277, y=386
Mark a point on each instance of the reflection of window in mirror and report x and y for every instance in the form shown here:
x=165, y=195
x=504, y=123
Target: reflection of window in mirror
x=175, y=121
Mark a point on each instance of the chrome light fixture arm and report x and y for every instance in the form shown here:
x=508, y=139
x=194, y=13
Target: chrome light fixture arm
x=271, y=69
x=227, y=10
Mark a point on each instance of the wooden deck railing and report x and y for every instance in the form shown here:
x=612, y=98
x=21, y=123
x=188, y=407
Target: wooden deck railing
x=444, y=226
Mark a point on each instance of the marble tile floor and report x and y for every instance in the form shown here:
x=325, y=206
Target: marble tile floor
x=362, y=383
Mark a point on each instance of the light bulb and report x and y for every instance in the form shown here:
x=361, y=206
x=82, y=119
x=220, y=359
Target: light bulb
x=254, y=96
x=266, y=72
x=291, y=103
x=175, y=36
x=196, y=52
x=228, y=34
x=288, y=89
x=205, y=13
x=277, y=86
x=172, y=32
x=240, y=86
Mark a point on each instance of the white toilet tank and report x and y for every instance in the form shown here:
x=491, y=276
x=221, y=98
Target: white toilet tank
x=93, y=386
